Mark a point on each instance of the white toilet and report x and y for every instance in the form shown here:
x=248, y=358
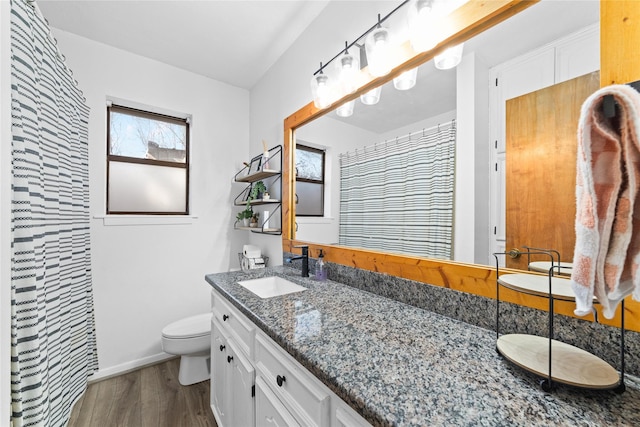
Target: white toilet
x=190, y=338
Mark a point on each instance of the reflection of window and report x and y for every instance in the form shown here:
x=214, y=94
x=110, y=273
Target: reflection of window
x=309, y=181
x=147, y=162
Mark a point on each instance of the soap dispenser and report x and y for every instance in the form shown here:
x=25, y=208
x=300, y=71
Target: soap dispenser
x=321, y=269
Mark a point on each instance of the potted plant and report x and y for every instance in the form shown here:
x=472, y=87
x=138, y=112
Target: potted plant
x=244, y=216
x=254, y=220
x=257, y=191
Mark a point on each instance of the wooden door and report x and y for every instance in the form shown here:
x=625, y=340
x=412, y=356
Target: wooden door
x=541, y=148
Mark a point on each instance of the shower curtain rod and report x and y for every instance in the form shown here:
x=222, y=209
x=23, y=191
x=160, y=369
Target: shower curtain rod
x=410, y=134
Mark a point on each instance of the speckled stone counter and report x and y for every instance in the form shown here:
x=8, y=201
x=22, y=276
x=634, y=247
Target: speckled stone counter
x=396, y=364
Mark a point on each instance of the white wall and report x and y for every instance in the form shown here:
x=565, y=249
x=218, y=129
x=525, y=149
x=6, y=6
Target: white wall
x=472, y=161
x=146, y=276
x=5, y=191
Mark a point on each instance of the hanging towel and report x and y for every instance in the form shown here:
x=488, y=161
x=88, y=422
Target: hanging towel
x=607, y=252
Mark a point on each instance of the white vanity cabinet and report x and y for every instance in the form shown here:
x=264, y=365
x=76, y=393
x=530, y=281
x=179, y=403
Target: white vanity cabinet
x=254, y=382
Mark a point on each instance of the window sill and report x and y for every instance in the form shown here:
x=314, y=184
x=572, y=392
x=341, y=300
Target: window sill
x=120, y=220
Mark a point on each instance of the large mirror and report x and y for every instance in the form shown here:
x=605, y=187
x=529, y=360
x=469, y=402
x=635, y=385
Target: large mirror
x=460, y=97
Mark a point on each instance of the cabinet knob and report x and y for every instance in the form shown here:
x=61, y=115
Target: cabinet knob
x=222, y=347
x=224, y=317
x=280, y=379
x=229, y=359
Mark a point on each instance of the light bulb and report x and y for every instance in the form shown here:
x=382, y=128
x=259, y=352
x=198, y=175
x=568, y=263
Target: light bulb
x=372, y=97
x=449, y=58
x=406, y=80
x=321, y=90
x=422, y=16
x=346, y=109
x=379, y=52
x=348, y=67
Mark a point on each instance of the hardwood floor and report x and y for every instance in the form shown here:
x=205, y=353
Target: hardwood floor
x=148, y=397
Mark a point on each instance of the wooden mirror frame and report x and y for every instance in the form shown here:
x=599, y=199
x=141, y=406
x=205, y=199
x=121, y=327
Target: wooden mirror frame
x=469, y=20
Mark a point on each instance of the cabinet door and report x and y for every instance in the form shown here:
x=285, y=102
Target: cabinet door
x=269, y=411
x=242, y=380
x=220, y=402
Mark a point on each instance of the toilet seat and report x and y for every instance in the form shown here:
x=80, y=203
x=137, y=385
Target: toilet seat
x=190, y=327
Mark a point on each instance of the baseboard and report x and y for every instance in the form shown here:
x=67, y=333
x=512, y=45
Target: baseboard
x=124, y=368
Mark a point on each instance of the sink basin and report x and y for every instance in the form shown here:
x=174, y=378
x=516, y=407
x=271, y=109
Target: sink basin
x=273, y=286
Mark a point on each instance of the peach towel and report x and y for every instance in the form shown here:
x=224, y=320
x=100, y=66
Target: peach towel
x=607, y=252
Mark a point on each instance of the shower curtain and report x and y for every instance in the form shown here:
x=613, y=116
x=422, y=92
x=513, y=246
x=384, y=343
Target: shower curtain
x=53, y=348
x=397, y=196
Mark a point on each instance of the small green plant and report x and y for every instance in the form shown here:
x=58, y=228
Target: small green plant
x=244, y=214
x=257, y=189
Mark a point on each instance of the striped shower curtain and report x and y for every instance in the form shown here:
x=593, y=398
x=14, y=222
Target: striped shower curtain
x=53, y=348
x=397, y=196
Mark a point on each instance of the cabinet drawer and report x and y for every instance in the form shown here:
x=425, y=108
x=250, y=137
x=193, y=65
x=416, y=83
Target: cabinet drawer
x=235, y=322
x=297, y=388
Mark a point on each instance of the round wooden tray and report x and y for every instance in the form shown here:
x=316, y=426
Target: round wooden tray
x=569, y=365
x=545, y=266
x=538, y=285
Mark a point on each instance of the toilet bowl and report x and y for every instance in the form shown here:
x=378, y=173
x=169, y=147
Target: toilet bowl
x=190, y=338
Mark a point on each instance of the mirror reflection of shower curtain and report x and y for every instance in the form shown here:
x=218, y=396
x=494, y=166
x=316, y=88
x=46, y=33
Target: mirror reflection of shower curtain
x=397, y=196
x=53, y=348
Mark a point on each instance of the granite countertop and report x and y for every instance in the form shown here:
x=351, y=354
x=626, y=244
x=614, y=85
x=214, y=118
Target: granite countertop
x=396, y=364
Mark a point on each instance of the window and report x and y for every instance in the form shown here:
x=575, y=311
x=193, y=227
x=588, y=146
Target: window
x=309, y=181
x=147, y=162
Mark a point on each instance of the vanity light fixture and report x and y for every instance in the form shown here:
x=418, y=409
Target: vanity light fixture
x=377, y=62
x=449, y=58
x=379, y=54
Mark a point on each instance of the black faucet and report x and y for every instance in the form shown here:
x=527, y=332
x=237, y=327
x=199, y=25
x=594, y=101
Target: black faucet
x=305, y=259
